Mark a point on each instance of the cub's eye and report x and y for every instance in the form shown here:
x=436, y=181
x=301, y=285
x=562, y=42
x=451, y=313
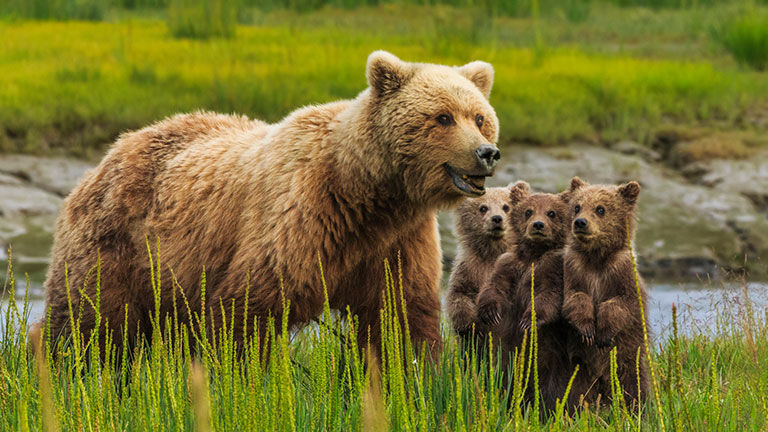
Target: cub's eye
x=528, y=213
x=505, y=208
x=576, y=209
x=445, y=119
x=600, y=210
x=551, y=214
x=479, y=121
x=483, y=208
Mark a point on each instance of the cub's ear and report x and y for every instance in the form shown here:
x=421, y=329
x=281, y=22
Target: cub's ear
x=630, y=191
x=481, y=75
x=518, y=192
x=577, y=183
x=386, y=73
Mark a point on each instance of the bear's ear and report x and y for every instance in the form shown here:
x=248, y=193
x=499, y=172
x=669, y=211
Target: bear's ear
x=481, y=75
x=577, y=183
x=386, y=73
x=518, y=192
x=630, y=191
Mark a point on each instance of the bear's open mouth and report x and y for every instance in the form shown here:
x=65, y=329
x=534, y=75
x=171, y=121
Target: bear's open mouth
x=469, y=184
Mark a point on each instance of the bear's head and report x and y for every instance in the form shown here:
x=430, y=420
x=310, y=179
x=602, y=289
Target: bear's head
x=540, y=220
x=484, y=220
x=602, y=215
x=435, y=121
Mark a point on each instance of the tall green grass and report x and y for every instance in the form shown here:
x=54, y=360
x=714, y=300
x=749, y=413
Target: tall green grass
x=202, y=19
x=746, y=38
x=198, y=378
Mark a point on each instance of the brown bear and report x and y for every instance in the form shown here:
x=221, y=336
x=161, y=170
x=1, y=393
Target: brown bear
x=482, y=225
x=540, y=222
x=600, y=296
x=349, y=184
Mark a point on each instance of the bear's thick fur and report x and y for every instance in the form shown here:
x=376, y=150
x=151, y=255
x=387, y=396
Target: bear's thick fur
x=482, y=225
x=540, y=222
x=348, y=183
x=600, y=298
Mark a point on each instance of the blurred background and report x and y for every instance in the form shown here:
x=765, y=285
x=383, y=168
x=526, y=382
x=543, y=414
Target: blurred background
x=673, y=93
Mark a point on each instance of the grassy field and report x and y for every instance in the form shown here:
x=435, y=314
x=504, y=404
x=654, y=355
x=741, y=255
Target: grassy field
x=317, y=380
x=620, y=73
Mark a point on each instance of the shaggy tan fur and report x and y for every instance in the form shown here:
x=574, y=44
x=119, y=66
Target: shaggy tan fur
x=600, y=295
x=352, y=182
x=540, y=222
x=482, y=225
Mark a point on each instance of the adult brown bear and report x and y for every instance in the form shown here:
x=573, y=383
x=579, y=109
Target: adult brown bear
x=350, y=182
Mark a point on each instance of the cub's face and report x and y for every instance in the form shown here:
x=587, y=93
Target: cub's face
x=438, y=124
x=539, y=219
x=485, y=217
x=602, y=214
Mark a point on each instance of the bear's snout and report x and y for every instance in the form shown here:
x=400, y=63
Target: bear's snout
x=538, y=225
x=580, y=224
x=488, y=156
x=497, y=219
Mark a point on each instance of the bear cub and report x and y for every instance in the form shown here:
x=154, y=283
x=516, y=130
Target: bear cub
x=600, y=297
x=482, y=225
x=540, y=223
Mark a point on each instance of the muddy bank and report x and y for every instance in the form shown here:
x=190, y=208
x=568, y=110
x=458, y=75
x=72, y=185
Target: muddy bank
x=697, y=220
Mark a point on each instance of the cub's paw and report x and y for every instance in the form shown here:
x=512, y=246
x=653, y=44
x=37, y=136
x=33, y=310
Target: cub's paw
x=489, y=312
x=587, y=334
x=525, y=321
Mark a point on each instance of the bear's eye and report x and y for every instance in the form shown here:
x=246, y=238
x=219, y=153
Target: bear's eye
x=551, y=214
x=505, y=208
x=528, y=213
x=483, y=208
x=576, y=209
x=600, y=210
x=479, y=121
x=445, y=119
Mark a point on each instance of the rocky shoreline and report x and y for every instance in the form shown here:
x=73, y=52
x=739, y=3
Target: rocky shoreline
x=702, y=220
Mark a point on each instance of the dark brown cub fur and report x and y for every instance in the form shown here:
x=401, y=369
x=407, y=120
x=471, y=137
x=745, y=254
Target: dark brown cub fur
x=540, y=224
x=600, y=299
x=482, y=226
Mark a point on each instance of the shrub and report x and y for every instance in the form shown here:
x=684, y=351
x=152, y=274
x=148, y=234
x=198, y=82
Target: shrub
x=201, y=19
x=746, y=38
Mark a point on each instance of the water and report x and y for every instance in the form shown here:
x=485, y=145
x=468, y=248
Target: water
x=700, y=306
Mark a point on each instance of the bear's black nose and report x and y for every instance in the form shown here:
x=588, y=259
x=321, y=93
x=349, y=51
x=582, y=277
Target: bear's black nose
x=580, y=223
x=538, y=225
x=488, y=155
x=496, y=219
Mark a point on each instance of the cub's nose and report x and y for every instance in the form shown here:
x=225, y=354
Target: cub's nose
x=496, y=219
x=580, y=223
x=538, y=225
x=488, y=155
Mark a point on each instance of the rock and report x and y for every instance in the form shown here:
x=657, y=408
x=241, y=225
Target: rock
x=748, y=177
x=685, y=230
x=633, y=148
x=56, y=175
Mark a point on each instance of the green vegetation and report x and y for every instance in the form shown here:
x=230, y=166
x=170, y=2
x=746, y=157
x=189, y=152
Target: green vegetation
x=317, y=380
x=616, y=73
x=747, y=39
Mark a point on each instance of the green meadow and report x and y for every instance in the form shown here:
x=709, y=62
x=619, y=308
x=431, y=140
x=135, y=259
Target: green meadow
x=618, y=71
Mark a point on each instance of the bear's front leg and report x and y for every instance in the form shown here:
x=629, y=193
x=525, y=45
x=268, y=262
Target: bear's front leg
x=421, y=261
x=612, y=317
x=578, y=307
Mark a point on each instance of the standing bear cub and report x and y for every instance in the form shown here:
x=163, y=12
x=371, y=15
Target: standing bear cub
x=540, y=222
x=482, y=226
x=348, y=184
x=600, y=293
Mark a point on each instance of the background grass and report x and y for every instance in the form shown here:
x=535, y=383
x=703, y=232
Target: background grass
x=612, y=73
